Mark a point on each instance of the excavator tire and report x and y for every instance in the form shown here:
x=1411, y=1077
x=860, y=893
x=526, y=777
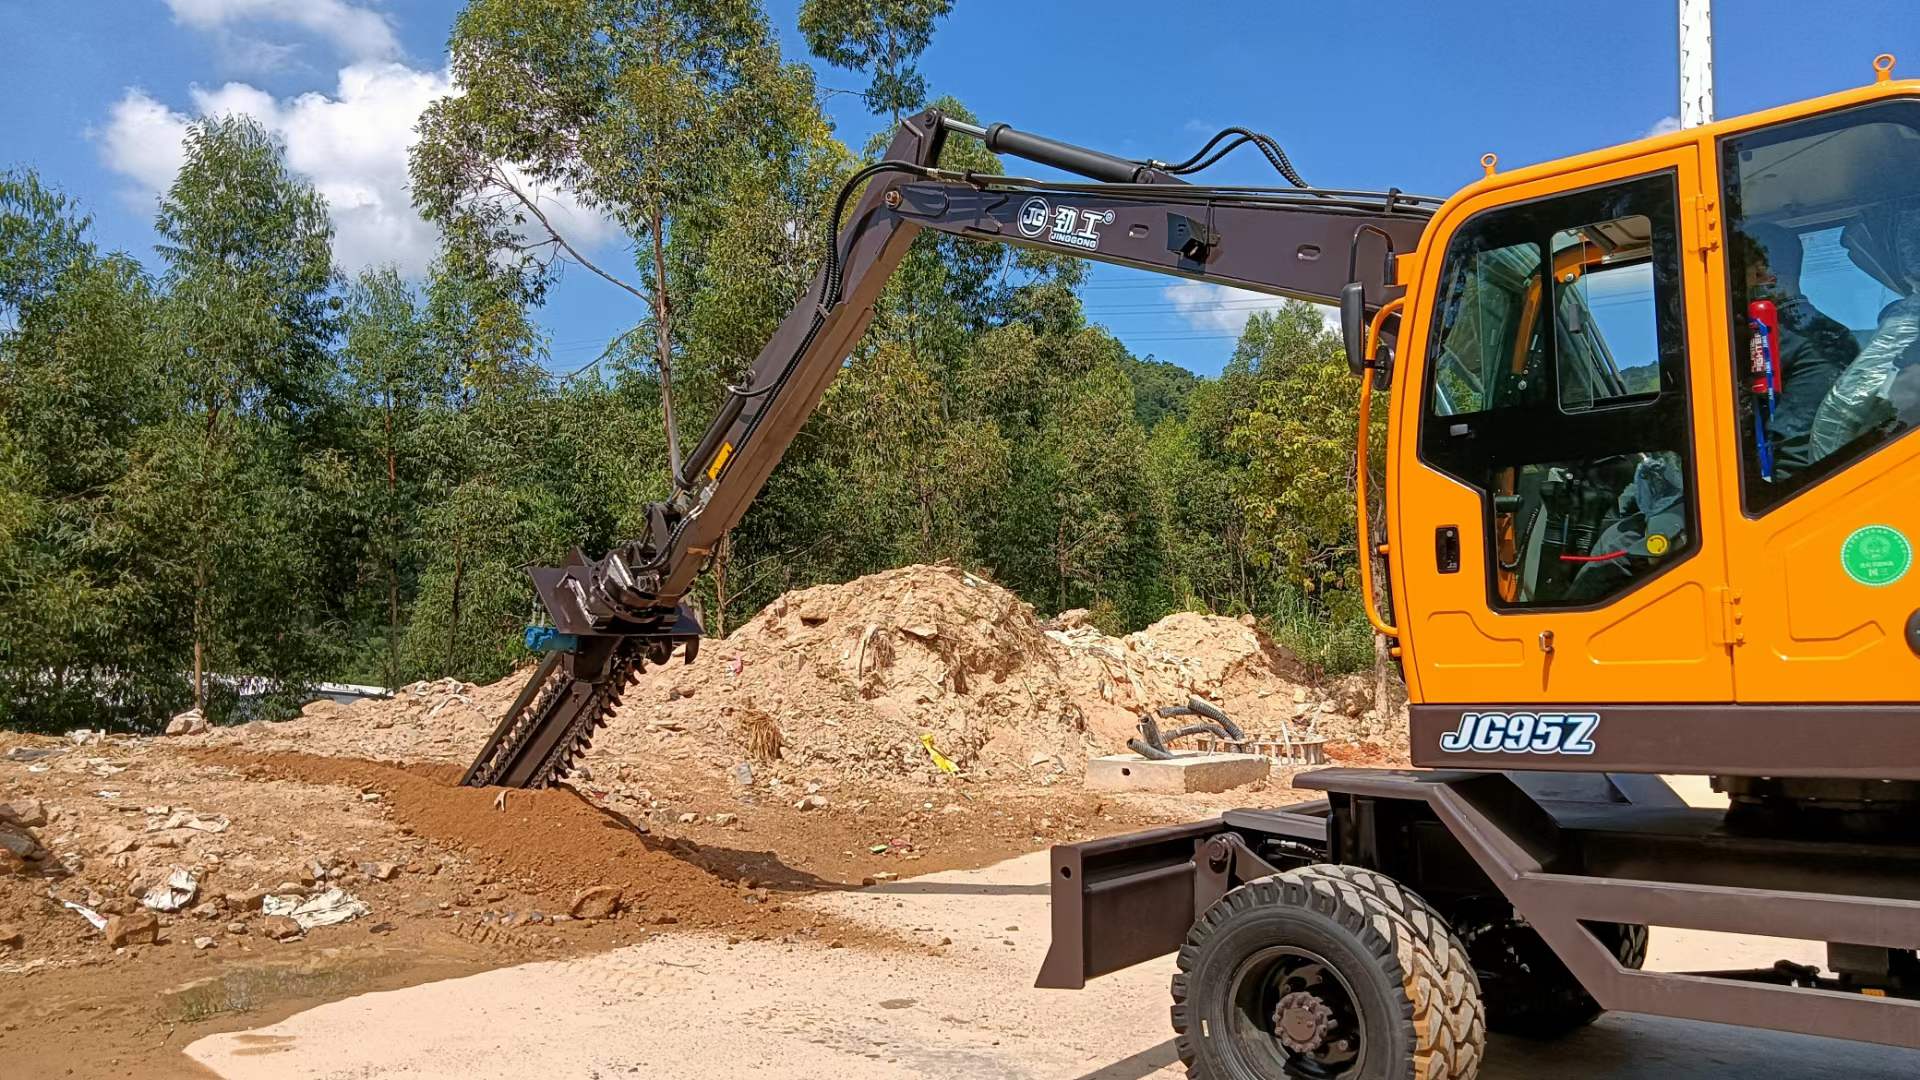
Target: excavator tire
x=1325, y=971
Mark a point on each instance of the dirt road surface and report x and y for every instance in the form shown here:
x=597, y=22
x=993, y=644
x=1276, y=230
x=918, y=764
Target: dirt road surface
x=695, y=1006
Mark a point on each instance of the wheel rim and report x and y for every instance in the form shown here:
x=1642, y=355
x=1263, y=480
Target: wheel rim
x=1294, y=1015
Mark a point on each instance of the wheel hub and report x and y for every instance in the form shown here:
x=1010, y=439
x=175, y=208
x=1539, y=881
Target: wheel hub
x=1302, y=1022
x=1295, y=1017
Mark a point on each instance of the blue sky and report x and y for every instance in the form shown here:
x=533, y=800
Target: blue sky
x=1402, y=94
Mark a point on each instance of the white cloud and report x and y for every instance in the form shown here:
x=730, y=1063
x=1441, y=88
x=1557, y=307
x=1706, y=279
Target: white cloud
x=355, y=32
x=1666, y=125
x=351, y=144
x=1220, y=309
x=142, y=142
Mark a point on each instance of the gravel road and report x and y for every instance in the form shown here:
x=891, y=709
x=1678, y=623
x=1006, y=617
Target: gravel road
x=686, y=1006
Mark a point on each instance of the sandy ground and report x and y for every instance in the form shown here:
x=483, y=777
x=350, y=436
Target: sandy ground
x=699, y=1007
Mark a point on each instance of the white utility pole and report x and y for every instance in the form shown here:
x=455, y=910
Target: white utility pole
x=1696, y=62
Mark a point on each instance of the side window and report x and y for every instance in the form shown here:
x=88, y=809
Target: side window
x=1823, y=223
x=1608, y=353
x=1484, y=356
x=1557, y=388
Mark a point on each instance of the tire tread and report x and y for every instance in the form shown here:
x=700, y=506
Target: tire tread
x=1441, y=993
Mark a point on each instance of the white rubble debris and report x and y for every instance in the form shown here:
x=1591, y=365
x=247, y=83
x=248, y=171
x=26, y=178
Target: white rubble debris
x=191, y=722
x=174, y=893
x=325, y=909
x=98, y=920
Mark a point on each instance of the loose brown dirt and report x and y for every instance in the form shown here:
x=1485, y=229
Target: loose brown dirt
x=791, y=758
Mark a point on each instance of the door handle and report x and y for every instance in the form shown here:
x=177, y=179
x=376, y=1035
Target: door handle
x=1446, y=549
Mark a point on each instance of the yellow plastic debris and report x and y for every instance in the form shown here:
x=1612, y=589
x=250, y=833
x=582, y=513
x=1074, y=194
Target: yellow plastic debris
x=943, y=761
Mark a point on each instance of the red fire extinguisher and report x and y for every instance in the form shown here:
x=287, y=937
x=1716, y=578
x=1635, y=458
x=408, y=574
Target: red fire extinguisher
x=1763, y=371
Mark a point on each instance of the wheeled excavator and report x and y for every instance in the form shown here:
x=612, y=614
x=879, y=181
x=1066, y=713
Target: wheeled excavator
x=1650, y=492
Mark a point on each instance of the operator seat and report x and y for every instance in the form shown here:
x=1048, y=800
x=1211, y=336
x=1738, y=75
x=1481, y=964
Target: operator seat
x=1885, y=243
x=1652, y=523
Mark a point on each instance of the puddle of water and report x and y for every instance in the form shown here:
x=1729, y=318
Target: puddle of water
x=254, y=986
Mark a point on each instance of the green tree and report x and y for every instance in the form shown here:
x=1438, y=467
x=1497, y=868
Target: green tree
x=633, y=107
x=248, y=320
x=392, y=377
x=1160, y=390
x=1297, y=439
x=42, y=235
x=883, y=38
x=486, y=513
x=91, y=637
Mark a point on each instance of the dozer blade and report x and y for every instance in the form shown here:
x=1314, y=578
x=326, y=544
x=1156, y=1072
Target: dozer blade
x=549, y=724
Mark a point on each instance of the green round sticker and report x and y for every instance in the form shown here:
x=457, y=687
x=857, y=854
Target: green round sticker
x=1876, y=555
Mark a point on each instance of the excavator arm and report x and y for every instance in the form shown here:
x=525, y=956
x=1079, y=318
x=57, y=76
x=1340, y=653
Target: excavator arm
x=613, y=614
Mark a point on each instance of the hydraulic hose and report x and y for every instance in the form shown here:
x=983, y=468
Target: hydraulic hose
x=832, y=288
x=1241, y=137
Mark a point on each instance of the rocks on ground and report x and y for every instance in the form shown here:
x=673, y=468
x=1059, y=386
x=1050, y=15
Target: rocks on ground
x=599, y=902
x=134, y=928
x=191, y=722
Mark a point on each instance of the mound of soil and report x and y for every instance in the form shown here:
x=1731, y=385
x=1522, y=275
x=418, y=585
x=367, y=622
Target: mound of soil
x=859, y=678
x=854, y=681
x=549, y=844
x=1229, y=662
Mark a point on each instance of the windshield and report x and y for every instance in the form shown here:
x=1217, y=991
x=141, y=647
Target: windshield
x=1824, y=270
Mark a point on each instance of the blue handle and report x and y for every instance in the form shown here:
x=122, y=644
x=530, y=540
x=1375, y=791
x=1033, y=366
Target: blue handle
x=545, y=639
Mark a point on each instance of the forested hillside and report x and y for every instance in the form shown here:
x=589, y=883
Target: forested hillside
x=225, y=456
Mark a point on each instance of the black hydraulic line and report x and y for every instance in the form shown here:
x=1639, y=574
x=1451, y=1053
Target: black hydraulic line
x=1393, y=201
x=1264, y=143
x=830, y=296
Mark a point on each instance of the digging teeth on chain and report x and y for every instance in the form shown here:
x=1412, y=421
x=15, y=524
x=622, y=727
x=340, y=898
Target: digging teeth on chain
x=606, y=698
x=531, y=720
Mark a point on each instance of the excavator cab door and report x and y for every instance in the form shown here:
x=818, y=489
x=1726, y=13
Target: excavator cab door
x=1553, y=504
x=1822, y=462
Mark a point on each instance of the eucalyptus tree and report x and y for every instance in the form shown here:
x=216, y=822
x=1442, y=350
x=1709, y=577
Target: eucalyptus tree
x=89, y=637
x=629, y=106
x=247, y=324
x=883, y=38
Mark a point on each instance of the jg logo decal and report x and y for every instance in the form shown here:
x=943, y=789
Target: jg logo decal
x=1033, y=217
x=1063, y=224
x=1876, y=555
x=1522, y=733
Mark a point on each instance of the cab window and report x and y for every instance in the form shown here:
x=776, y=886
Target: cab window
x=1823, y=259
x=1557, y=388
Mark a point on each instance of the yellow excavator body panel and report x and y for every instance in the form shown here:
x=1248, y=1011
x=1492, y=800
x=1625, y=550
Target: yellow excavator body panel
x=1652, y=426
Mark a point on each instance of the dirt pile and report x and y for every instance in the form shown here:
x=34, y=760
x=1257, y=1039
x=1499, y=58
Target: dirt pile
x=441, y=721
x=857, y=679
x=860, y=678
x=882, y=678
x=555, y=849
x=1229, y=662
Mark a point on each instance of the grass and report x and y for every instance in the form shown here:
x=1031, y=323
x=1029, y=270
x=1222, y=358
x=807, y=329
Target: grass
x=1329, y=635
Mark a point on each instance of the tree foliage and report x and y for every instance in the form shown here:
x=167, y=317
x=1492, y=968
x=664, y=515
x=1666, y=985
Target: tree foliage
x=237, y=474
x=883, y=38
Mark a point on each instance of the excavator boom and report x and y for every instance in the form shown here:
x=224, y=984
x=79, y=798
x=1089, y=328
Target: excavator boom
x=613, y=614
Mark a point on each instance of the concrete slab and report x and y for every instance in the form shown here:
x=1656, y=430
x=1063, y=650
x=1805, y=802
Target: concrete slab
x=1179, y=775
